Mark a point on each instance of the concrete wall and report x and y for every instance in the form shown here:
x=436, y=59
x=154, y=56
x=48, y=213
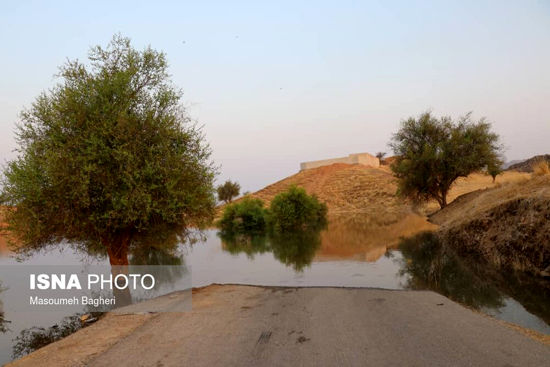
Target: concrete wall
x=358, y=158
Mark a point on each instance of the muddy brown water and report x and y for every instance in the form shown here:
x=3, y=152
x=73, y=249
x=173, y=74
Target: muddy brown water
x=352, y=252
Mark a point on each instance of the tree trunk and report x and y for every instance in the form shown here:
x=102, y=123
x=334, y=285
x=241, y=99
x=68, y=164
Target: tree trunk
x=123, y=297
x=118, y=250
x=443, y=202
x=118, y=255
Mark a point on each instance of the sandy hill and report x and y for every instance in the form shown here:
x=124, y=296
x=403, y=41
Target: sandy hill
x=357, y=189
x=527, y=165
x=347, y=189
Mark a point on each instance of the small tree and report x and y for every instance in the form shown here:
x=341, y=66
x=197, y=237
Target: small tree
x=108, y=158
x=494, y=170
x=228, y=191
x=432, y=153
x=380, y=156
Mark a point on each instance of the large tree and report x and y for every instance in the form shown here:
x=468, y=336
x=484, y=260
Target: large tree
x=433, y=152
x=108, y=157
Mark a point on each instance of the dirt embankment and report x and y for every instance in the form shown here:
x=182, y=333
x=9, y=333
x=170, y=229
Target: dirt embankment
x=356, y=189
x=347, y=189
x=507, y=226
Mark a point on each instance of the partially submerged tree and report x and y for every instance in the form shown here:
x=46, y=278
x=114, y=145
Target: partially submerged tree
x=294, y=209
x=291, y=210
x=248, y=215
x=432, y=153
x=108, y=157
x=228, y=191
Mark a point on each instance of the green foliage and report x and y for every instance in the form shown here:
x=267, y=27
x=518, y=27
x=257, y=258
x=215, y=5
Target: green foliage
x=248, y=215
x=432, y=153
x=494, y=170
x=294, y=209
x=108, y=157
x=35, y=338
x=290, y=228
x=228, y=191
x=291, y=210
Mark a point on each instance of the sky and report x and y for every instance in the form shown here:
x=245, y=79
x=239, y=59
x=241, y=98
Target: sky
x=281, y=82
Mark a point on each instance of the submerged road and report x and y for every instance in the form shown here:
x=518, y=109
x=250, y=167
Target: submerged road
x=257, y=326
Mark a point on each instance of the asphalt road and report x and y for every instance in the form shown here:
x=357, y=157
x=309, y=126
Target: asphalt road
x=256, y=326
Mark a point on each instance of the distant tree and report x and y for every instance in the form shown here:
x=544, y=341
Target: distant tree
x=432, y=153
x=228, y=191
x=494, y=170
x=380, y=156
x=108, y=157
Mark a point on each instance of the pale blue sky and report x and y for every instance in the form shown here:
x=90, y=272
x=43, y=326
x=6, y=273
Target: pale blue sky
x=282, y=82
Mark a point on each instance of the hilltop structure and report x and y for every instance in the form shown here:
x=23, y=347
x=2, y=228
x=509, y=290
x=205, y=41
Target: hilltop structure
x=365, y=159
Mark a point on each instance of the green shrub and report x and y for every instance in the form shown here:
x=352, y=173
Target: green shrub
x=248, y=215
x=294, y=210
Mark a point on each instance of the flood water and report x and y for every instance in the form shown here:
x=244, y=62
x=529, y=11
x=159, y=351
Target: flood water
x=352, y=252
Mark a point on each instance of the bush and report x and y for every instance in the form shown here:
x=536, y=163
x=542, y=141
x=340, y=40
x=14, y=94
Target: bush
x=248, y=215
x=294, y=209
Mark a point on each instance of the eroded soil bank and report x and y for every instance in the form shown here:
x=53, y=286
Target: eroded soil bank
x=245, y=325
x=507, y=226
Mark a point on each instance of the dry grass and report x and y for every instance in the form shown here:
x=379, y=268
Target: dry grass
x=478, y=181
x=475, y=203
x=541, y=168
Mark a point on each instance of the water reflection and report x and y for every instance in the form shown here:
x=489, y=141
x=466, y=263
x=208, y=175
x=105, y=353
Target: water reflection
x=3, y=322
x=364, y=238
x=349, y=253
x=296, y=249
x=247, y=243
x=431, y=265
x=25, y=340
